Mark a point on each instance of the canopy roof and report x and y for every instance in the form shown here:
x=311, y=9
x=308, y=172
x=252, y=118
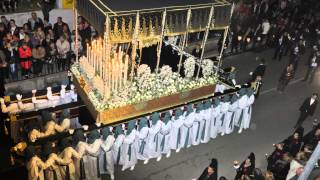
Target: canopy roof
x=121, y=6
x=122, y=15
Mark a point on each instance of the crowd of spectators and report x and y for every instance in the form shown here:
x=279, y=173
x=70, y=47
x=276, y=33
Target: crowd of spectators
x=279, y=24
x=38, y=47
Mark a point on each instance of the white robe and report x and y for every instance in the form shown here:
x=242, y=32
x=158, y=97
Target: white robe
x=91, y=161
x=175, y=133
x=153, y=143
x=205, y=131
x=215, y=121
x=186, y=131
x=128, y=157
x=248, y=112
x=225, y=116
x=165, y=137
x=142, y=137
x=242, y=106
x=231, y=121
x=197, y=127
x=116, y=149
x=106, y=146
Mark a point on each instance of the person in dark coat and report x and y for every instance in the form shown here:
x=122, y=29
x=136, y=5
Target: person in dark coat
x=276, y=155
x=285, y=78
x=246, y=168
x=293, y=143
x=197, y=51
x=307, y=109
x=260, y=69
x=211, y=172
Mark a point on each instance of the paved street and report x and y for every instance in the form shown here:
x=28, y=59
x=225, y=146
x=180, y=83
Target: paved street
x=273, y=119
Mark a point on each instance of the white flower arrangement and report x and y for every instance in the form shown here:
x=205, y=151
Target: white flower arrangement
x=189, y=67
x=207, y=67
x=146, y=85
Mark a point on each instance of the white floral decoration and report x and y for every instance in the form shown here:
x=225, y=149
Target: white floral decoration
x=207, y=67
x=189, y=67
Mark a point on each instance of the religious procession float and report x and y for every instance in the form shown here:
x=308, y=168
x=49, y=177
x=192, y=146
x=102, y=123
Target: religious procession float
x=111, y=78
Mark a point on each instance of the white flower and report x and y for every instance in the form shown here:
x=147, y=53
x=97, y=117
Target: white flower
x=189, y=67
x=207, y=67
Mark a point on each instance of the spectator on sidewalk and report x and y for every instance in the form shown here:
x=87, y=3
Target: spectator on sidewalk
x=25, y=59
x=38, y=54
x=52, y=57
x=13, y=28
x=34, y=22
x=63, y=47
x=280, y=45
x=307, y=109
x=285, y=78
x=246, y=168
x=58, y=28
x=12, y=57
x=211, y=172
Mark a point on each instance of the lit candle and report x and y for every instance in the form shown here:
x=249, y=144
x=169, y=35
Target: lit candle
x=126, y=69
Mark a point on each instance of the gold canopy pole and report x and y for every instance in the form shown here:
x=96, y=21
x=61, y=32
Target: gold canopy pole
x=163, y=24
x=76, y=29
x=185, y=38
x=135, y=44
x=204, y=41
x=225, y=34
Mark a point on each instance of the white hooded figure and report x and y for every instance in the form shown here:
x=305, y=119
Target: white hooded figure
x=242, y=102
x=197, y=125
x=220, y=88
x=24, y=107
x=225, y=114
x=165, y=135
x=215, y=118
x=142, y=137
x=175, y=133
x=65, y=98
x=153, y=142
x=207, y=116
x=73, y=94
x=53, y=100
x=232, y=111
x=39, y=103
x=106, y=156
x=186, y=133
x=248, y=109
x=91, y=156
x=128, y=156
x=116, y=149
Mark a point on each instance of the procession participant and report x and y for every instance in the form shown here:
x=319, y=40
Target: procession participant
x=256, y=86
x=128, y=148
x=197, y=125
x=91, y=156
x=186, y=133
x=230, y=119
x=242, y=106
x=116, y=149
x=52, y=163
x=176, y=131
x=225, y=104
x=248, y=110
x=106, y=156
x=69, y=155
x=142, y=137
x=153, y=142
x=207, y=115
x=35, y=165
x=165, y=134
x=215, y=118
